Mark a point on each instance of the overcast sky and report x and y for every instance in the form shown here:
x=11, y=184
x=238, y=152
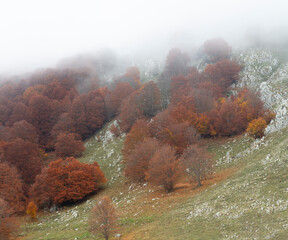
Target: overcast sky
x=38, y=33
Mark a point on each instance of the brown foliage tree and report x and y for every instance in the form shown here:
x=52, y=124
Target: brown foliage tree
x=217, y=49
x=137, y=134
x=103, y=220
x=224, y=73
x=114, y=98
x=20, y=112
x=67, y=145
x=137, y=162
x=197, y=163
x=145, y=102
x=164, y=168
x=65, y=124
x=148, y=99
x=42, y=116
x=176, y=64
x=227, y=119
x=88, y=113
x=8, y=224
x=66, y=181
x=11, y=187
x=129, y=112
x=25, y=131
x=24, y=155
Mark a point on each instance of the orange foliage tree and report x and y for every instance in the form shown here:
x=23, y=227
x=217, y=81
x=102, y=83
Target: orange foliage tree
x=138, y=160
x=197, y=163
x=103, y=220
x=257, y=127
x=68, y=146
x=164, y=168
x=66, y=180
x=32, y=210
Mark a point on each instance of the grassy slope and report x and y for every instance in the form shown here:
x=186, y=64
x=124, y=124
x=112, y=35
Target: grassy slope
x=251, y=203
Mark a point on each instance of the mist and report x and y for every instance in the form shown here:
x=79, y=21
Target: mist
x=38, y=34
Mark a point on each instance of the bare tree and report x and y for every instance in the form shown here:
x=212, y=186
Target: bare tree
x=103, y=220
x=197, y=163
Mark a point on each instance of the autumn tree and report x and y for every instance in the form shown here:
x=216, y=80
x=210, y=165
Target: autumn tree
x=20, y=112
x=227, y=119
x=217, y=49
x=67, y=145
x=164, y=168
x=176, y=64
x=137, y=134
x=32, y=210
x=8, y=224
x=103, y=220
x=197, y=163
x=88, y=113
x=25, y=131
x=148, y=99
x=145, y=102
x=65, y=124
x=66, y=180
x=11, y=187
x=41, y=109
x=129, y=112
x=114, y=98
x=224, y=73
x=137, y=161
x=24, y=155
x=257, y=127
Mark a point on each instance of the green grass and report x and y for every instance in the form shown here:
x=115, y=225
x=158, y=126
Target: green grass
x=251, y=204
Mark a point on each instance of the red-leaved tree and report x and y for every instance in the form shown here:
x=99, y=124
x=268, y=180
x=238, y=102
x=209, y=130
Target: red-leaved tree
x=164, y=168
x=66, y=180
x=11, y=188
x=137, y=161
x=68, y=146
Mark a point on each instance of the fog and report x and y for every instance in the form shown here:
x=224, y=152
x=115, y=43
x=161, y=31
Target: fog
x=37, y=34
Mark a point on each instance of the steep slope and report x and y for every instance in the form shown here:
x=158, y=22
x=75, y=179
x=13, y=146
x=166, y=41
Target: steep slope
x=247, y=198
x=266, y=71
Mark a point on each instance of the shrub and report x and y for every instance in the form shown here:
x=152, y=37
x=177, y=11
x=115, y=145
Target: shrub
x=257, y=127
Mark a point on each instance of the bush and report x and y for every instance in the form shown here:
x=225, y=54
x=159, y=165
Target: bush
x=66, y=181
x=257, y=127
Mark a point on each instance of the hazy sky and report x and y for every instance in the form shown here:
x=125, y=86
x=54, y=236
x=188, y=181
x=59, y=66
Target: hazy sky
x=38, y=33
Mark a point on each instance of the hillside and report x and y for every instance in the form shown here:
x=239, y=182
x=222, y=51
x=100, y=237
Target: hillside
x=246, y=198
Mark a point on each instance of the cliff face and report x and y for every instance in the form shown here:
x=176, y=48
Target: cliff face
x=264, y=71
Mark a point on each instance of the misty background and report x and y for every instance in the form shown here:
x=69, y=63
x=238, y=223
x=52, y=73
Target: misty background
x=39, y=34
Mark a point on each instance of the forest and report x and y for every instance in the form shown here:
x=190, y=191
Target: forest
x=47, y=116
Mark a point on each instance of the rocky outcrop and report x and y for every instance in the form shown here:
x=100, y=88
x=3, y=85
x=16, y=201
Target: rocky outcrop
x=263, y=71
